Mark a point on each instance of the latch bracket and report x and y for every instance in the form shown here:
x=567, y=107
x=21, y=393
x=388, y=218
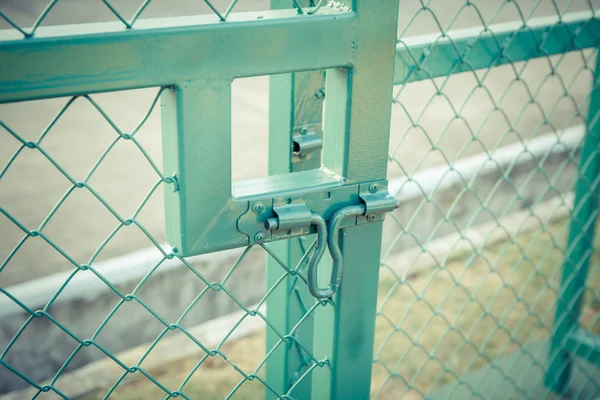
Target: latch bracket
x=296, y=215
x=378, y=202
x=287, y=215
x=307, y=142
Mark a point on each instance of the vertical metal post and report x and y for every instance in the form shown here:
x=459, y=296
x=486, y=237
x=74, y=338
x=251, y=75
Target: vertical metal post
x=196, y=126
x=357, y=126
x=579, y=248
x=295, y=100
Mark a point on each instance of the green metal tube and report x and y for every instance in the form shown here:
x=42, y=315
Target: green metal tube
x=579, y=249
x=355, y=145
x=292, y=103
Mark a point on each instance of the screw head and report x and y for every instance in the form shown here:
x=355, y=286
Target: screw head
x=373, y=188
x=370, y=218
x=303, y=131
x=258, y=207
x=302, y=156
x=259, y=237
x=320, y=94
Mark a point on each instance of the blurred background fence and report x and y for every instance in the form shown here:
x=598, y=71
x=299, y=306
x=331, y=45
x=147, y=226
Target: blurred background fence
x=471, y=310
x=490, y=113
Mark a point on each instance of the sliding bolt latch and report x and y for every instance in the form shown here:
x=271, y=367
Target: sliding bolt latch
x=376, y=203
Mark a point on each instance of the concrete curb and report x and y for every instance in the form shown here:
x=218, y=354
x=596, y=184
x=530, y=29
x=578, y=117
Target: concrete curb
x=448, y=200
x=467, y=169
x=431, y=197
x=409, y=263
x=103, y=373
x=85, y=284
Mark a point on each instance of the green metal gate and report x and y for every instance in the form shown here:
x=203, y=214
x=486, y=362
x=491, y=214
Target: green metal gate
x=337, y=71
x=195, y=61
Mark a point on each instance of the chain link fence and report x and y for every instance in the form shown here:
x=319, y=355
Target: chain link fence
x=38, y=246
x=88, y=187
x=483, y=162
x=127, y=13
x=471, y=269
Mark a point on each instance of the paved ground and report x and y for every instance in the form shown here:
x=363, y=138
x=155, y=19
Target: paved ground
x=32, y=186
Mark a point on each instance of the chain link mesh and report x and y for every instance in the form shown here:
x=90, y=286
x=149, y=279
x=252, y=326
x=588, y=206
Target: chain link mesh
x=128, y=13
x=470, y=274
x=471, y=270
x=128, y=304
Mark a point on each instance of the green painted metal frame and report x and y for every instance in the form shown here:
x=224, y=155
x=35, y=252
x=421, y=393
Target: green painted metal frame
x=418, y=58
x=568, y=339
x=357, y=126
x=430, y=56
x=198, y=58
x=88, y=58
x=295, y=99
x=165, y=52
x=433, y=55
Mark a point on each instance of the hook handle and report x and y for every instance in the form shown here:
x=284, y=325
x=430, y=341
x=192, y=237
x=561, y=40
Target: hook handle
x=335, y=224
x=313, y=262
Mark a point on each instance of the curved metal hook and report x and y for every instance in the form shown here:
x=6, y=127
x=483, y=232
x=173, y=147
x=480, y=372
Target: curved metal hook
x=335, y=224
x=313, y=262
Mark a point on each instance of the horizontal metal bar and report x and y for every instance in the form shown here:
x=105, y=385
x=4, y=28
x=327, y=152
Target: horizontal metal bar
x=79, y=59
x=434, y=55
x=300, y=181
x=87, y=58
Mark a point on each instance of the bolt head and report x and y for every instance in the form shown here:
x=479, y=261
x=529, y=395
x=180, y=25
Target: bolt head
x=373, y=188
x=259, y=237
x=303, y=131
x=258, y=207
x=302, y=156
x=320, y=94
x=272, y=224
x=370, y=218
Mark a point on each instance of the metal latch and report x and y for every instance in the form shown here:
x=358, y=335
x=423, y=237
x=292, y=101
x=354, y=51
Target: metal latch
x=297, y=218
x=289, y=216
x=375, y=204
x=307, y=140
x=294, y=216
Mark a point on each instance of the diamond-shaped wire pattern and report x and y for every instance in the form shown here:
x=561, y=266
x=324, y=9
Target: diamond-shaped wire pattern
x=471, y=268
x=129, y=304
x=471, y=263
x=128, y=13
